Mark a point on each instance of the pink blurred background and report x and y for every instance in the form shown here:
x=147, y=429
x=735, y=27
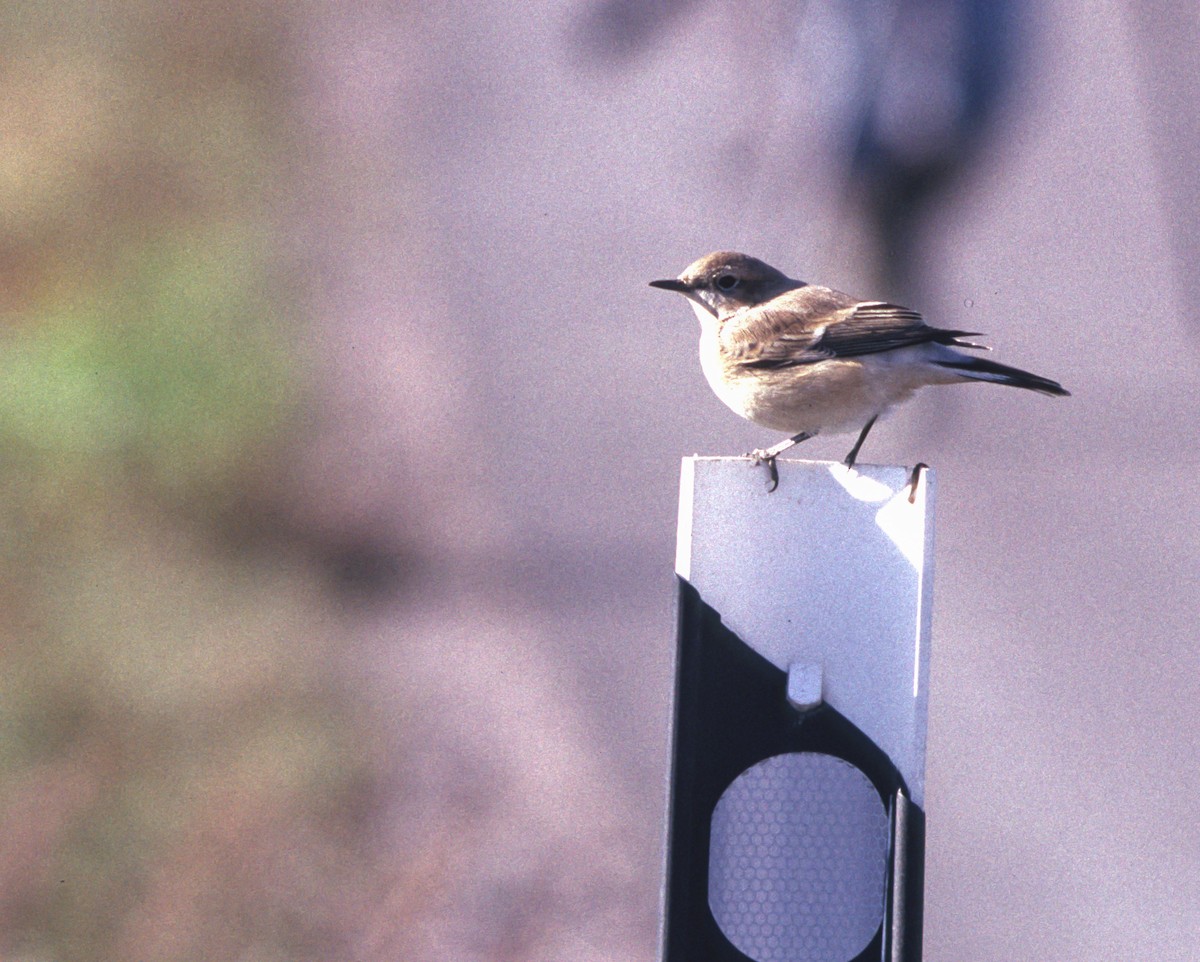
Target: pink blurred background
x=342, y=435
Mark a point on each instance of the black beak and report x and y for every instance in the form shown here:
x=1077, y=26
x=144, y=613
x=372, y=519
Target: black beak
x=672, y=285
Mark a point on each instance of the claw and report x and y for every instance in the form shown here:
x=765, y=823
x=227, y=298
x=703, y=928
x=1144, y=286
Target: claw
x=767, y=456
x=759, y=456
x=915, y=479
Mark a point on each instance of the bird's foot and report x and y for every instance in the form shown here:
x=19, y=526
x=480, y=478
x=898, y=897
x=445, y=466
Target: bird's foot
x=767, y=457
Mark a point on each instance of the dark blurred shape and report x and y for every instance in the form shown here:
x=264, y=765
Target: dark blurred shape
x=358, y=564
x=932, y=75
x=926, y=79
x=365, y=569
x=621, y=28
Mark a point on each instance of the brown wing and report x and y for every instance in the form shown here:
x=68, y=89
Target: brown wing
x=813, y=324
x=785, y=330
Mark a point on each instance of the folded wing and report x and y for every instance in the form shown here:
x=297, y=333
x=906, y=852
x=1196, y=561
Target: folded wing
x=811, y=324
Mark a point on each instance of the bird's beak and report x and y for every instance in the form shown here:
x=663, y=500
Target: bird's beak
x=672, y=285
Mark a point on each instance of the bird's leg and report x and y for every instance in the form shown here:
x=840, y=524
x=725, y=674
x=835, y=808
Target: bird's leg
x=853, y=455
x=767, y=456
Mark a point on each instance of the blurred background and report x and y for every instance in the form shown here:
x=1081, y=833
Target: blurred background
x=340, y=439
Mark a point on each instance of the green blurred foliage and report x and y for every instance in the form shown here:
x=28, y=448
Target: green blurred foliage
x=170, y=374
x=182, y=775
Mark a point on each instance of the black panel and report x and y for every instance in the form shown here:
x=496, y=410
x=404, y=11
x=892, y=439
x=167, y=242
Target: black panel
x=732, y=712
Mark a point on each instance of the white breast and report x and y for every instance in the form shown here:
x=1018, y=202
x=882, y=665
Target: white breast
x=826, y=397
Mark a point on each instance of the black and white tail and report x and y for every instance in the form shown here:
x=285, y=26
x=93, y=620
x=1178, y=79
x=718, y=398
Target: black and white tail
x=978, y=369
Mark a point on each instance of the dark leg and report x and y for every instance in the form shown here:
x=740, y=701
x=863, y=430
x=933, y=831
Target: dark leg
x=853, y=455
x=767, y=456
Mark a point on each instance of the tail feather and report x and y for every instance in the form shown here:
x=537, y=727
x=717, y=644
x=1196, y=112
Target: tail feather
x=978, y=369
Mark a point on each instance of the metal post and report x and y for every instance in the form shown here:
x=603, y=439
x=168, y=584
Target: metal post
x=796, y=815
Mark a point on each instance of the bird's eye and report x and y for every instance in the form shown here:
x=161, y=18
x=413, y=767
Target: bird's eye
x=727, y=282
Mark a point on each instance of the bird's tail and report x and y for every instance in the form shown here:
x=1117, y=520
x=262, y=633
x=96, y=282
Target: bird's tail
x=977, y=369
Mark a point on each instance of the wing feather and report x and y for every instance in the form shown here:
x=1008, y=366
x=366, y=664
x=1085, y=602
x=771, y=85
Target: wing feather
x=812, y=324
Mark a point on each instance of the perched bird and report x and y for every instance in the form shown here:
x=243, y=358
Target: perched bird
x=810, y=360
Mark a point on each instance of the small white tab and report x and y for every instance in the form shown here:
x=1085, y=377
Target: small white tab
x=804, y=685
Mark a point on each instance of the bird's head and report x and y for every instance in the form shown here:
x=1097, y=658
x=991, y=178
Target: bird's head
x=725, y=282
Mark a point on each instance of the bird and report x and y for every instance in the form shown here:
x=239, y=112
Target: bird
x=811, y=360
